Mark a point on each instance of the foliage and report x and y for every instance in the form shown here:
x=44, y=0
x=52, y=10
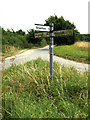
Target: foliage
x=20, y=32
x=21, y=39
x=30, y=36
x=29, y=92
x=85, y=37
x=43, y=42
x=13, y=38
x=35, y=41
x=61, y=24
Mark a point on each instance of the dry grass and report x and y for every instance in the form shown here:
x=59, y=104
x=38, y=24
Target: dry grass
x=83, y=44
x=8, y=50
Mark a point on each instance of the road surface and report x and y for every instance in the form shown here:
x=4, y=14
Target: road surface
x=42, y=53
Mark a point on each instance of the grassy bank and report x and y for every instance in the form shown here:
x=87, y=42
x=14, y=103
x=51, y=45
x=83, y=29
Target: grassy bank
x=28, y=92
x=77, y=52
x=8, y=50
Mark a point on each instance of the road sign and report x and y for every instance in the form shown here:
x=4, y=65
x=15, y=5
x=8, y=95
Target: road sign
x=50, y=33
x=42, y=28
x=42, y=35
x=60, y=33
x=63, y=33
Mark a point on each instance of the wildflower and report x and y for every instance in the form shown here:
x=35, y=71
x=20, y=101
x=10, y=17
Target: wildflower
x=7, y=87
x=20, y=89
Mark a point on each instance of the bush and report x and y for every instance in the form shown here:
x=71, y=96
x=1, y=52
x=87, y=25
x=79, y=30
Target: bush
x=14, y=39
x=43, y=42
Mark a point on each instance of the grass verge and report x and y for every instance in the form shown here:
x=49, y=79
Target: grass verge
x=28, y=92
x=8, y=50
x=73, y=52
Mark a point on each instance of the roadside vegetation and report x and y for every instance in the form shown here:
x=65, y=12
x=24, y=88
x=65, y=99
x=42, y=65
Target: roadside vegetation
x=77, y=52
x=9, y=50
x=28, y=92
x=13, y=42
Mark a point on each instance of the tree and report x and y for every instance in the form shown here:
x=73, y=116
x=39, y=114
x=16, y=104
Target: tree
x=31, y=37
x=13, y=38
x=20, y=32
x=61, y=24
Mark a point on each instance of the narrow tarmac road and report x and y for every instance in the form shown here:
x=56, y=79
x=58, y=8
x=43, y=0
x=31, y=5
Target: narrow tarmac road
x=42, y=53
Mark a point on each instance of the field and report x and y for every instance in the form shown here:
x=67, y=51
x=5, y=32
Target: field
x=28, y=92
x=77, y=52
x=83, y=44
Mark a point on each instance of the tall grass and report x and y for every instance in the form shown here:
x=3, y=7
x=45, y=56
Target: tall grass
x=8, y=50
x=28, y=92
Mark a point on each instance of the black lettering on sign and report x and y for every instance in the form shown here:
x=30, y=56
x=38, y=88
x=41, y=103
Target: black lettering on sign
x=40, y=28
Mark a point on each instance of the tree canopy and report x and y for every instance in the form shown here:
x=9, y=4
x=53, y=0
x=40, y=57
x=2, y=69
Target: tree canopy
x=20, y=38
x=61, y=24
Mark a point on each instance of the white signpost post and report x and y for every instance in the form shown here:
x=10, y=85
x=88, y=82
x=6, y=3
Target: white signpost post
x=48, y=32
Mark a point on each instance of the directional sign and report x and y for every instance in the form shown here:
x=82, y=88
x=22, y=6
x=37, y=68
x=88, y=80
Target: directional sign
x=50, y=33
x=42, y=35
x=42, y=28
x=60, y=33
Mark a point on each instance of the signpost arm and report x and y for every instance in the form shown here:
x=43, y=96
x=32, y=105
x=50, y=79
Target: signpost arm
x=51, y=49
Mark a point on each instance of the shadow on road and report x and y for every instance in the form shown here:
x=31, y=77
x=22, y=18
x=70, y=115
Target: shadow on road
x=44, y=49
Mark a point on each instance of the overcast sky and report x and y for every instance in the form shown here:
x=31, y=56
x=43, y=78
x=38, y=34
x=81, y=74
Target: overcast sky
x=23, y=14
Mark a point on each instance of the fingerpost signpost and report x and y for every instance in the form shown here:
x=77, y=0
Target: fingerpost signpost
x=48, y=32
